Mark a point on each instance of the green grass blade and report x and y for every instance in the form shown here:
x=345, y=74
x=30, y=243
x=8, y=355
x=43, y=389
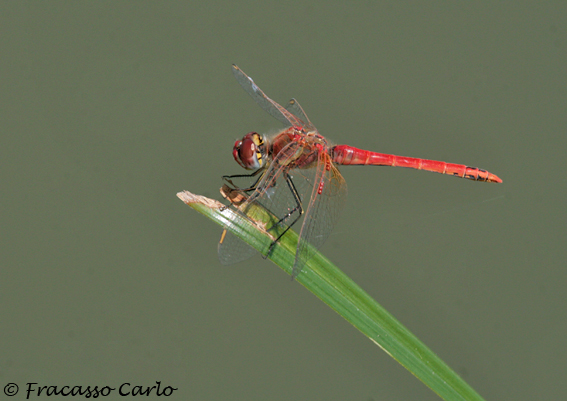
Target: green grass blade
x=338, y=291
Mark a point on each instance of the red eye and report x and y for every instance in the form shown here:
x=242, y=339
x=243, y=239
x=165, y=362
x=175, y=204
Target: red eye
x=245, y=152
x=236, y=151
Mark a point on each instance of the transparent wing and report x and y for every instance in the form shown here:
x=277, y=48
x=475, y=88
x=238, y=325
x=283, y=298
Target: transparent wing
x=327, y=200
x=295, y=108
x=232, y=249
x=273, y=108
x=271, y=194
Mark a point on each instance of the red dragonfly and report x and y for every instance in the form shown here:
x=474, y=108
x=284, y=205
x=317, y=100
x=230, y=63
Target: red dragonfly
x=298, y=180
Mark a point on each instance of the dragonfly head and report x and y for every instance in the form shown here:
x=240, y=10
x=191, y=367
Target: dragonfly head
x=250, y=151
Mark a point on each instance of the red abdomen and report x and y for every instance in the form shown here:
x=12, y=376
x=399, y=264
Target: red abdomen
x=348, y=155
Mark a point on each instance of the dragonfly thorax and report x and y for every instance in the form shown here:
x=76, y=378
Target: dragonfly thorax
x=250, y=152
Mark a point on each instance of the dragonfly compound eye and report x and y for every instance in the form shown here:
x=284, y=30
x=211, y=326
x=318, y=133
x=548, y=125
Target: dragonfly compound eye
x=248, y=152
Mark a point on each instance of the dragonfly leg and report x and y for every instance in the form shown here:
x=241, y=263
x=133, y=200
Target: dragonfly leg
x=228, y=179
x=298, y=208
x=230, y=187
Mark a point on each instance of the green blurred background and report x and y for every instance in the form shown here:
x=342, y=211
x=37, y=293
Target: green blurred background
x=110, y=108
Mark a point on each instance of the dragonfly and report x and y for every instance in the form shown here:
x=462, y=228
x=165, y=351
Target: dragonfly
x=295, y=177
